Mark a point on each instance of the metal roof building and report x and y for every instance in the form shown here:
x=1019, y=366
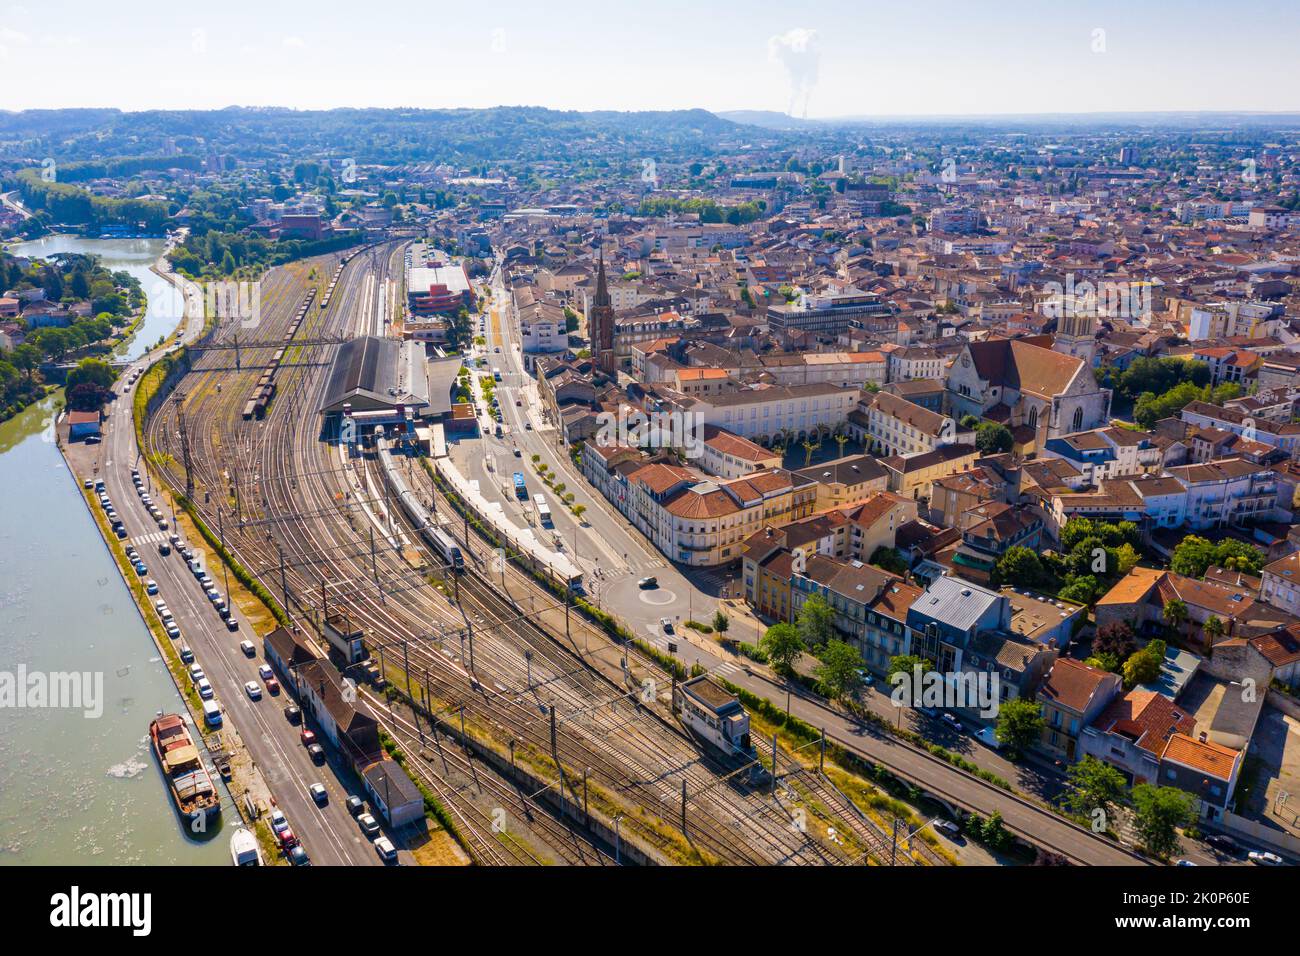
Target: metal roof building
x=378, y=374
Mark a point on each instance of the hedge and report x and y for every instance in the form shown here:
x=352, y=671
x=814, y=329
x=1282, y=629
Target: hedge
x=238, y=570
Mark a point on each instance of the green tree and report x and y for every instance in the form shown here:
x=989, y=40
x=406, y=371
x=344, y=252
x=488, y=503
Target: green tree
x=1020, y=723
x=992, y=438
x=815, y=621
x=1176, y=613
x=27, y=358
x=1074, y=532
x=1094, y=785
x=837, y=670
x=782, y=645
x=994, y=833
x=720, y=621
x=1143, y=666
x=1019, y=565
x=93, y=371
x=1158, y=813
x=1239, y=556
x=1084, y=589
x=1213, y=628
x=889, y=559
x=1192, y=556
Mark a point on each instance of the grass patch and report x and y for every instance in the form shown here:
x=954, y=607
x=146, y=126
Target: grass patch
x=241, y=574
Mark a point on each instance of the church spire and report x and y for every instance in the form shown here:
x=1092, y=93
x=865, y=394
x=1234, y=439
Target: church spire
x=602, y=286
x=601, y=323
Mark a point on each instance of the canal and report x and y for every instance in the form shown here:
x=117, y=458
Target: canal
x=80, y=784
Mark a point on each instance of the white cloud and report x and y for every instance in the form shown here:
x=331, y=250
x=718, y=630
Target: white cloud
x=295, y=43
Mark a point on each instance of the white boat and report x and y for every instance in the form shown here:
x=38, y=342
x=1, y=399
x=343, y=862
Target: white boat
x=244, y=850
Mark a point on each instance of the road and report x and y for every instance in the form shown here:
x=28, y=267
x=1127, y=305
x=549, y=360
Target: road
x=329, y=834
x=615, y=556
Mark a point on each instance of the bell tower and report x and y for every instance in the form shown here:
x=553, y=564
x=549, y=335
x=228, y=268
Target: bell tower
x=601, y=324
x=1076, y=335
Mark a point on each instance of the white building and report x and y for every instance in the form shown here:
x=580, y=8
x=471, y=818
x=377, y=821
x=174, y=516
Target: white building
x=1280, y=584
x=913, y=362
x=714, y=713
x=761, y=414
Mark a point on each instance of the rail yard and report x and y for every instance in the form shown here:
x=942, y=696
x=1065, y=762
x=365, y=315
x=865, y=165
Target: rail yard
x=485, y=669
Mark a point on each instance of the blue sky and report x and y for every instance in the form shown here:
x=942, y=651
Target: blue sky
x=820, y=57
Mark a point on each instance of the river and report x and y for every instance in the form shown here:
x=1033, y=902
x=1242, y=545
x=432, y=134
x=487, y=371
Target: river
x=132, y=256
x=80, y=789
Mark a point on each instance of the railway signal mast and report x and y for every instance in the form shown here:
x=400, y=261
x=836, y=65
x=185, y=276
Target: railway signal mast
x=185, y=445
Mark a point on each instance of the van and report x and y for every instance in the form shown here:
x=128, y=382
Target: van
x=212, y=713
x=196, y=566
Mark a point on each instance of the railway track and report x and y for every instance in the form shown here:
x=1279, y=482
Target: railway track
x=228, y=472
x=522, y=679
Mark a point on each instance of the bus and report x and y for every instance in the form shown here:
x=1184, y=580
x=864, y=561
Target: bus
x=543, y=510
x=521, y=489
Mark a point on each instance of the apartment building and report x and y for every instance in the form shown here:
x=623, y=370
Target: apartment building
x=1280, y=584
x=1072, y=697
x=913, y=362
x=1106, y=453
x=912, y=475
x=762, y=414
x=730, y=456
x=690, y=518
x=846, y=481
x=1283, y=435
x=895, y=426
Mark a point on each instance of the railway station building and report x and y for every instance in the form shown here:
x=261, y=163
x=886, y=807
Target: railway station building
x=380, y=381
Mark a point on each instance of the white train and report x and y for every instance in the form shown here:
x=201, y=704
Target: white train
x=443, y=544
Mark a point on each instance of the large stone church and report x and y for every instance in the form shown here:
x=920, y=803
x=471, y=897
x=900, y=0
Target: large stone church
x=1022, y=382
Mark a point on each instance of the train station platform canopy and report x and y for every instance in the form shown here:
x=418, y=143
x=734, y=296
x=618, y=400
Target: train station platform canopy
x=373, y=374
x=442, y=378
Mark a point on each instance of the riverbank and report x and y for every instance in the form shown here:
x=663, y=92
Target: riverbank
x=247, y=790
x=78, y=786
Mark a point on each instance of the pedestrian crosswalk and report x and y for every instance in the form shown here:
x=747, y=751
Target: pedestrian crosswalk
x=154, y=538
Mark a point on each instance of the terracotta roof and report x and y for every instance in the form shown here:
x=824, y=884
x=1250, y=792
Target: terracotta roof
x=727, y=443
x=1202, y=756
x=1133, y=587
x=690, y=503
x=1281, y=647
x=1075, y=685
x=917, y=416
x=1146, y=718
x=875, y=508
x=1024, y=366
x=659, y=477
